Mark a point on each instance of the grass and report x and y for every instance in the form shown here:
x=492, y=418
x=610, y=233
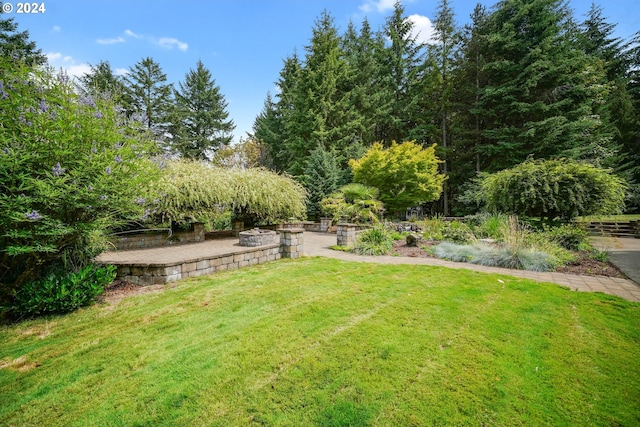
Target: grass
x=613, y=218
x=330, y=343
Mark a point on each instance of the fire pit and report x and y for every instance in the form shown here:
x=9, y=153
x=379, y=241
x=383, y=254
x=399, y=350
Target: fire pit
x=257, y=237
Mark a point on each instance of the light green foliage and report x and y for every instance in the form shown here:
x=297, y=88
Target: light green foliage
x=406, y=174
x=71, y=168
x=195, y=191
x=354, y=203
x=375, y=241
x=554, y=189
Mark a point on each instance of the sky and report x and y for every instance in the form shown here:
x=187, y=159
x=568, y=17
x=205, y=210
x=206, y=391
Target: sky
x=242, y=42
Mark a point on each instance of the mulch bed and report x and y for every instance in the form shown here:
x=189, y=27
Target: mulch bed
x=584, y=265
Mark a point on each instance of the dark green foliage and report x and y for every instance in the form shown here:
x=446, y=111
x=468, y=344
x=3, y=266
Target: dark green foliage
x=15, y=46
x=61, y=292
x=200, y=120
x=147, y=96
x=321, y=178
x=101, y=80
x=552, y=189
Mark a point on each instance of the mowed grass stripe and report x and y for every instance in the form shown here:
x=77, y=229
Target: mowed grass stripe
x=325, y=342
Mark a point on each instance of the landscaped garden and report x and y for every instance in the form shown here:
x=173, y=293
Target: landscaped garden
x=325, y=342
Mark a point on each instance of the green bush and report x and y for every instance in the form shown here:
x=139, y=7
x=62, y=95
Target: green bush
x=354, y=203
x=551, y=189
x=375, y=241
x=568, y=236
x=456, y=231
x=72, y=167
x=61, y=292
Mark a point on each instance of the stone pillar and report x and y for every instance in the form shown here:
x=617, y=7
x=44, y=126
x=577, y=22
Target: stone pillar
x=237, y=227
x=198, y=232
x=325, y=224
x=291, y=242
x=346, y=234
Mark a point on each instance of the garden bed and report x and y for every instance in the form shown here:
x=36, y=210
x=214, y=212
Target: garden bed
x=583, y=265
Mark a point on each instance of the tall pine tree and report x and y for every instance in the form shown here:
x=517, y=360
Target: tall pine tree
x=200, y=122
x=148, y=95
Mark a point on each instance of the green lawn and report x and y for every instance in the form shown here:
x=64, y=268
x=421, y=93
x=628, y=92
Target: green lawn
x=323, y=342
x=611, y=218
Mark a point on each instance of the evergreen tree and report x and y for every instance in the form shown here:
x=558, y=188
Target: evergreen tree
x=147, y=95
x=322, y=113
x=443, y=57
x=200, y=124
x=366, y=89
x=321, y=178
x=541, y=89
x=17, y=46
x=102, y=80
x=403, y=64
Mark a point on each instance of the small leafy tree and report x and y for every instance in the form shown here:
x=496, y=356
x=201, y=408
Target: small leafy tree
x=406, y=174
x=552, y=189
x=71, y=167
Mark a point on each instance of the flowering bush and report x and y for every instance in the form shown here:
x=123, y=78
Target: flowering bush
x=71, y=167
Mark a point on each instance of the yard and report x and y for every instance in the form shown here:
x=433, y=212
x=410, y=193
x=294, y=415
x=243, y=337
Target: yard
x=318, y=341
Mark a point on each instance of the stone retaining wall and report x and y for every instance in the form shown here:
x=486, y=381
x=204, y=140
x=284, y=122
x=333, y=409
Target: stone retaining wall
x=160, y=274
x=154, y=239
x=290, y=246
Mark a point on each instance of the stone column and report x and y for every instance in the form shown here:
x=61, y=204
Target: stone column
x=198, y=232
x=237, y=227
x=325, y=224
x=346, y=234
x=291, y=242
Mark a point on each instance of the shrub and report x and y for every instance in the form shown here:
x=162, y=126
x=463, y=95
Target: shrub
x=375, y=241
x=72, y=168
x=355, y=203
x=568, y=236
x=552, y=189
x=61, y=292
x=456, y=231
x=506, y=257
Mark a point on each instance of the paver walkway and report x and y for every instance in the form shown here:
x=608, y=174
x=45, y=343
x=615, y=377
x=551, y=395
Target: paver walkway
x=317, y=244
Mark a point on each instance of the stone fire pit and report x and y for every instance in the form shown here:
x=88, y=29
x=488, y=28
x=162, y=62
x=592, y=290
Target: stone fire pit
x=257, y=237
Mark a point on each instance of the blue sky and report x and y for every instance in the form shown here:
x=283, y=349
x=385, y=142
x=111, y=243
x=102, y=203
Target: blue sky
x=242, y=42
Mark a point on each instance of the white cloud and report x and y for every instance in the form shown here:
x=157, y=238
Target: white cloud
x=378, y=5
x=132, y=34
x=422, y=28
x=111, y=41
x=72, y=67
x=56, y=29
x=121, y=71
x=170, y=43
x=53, y=56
